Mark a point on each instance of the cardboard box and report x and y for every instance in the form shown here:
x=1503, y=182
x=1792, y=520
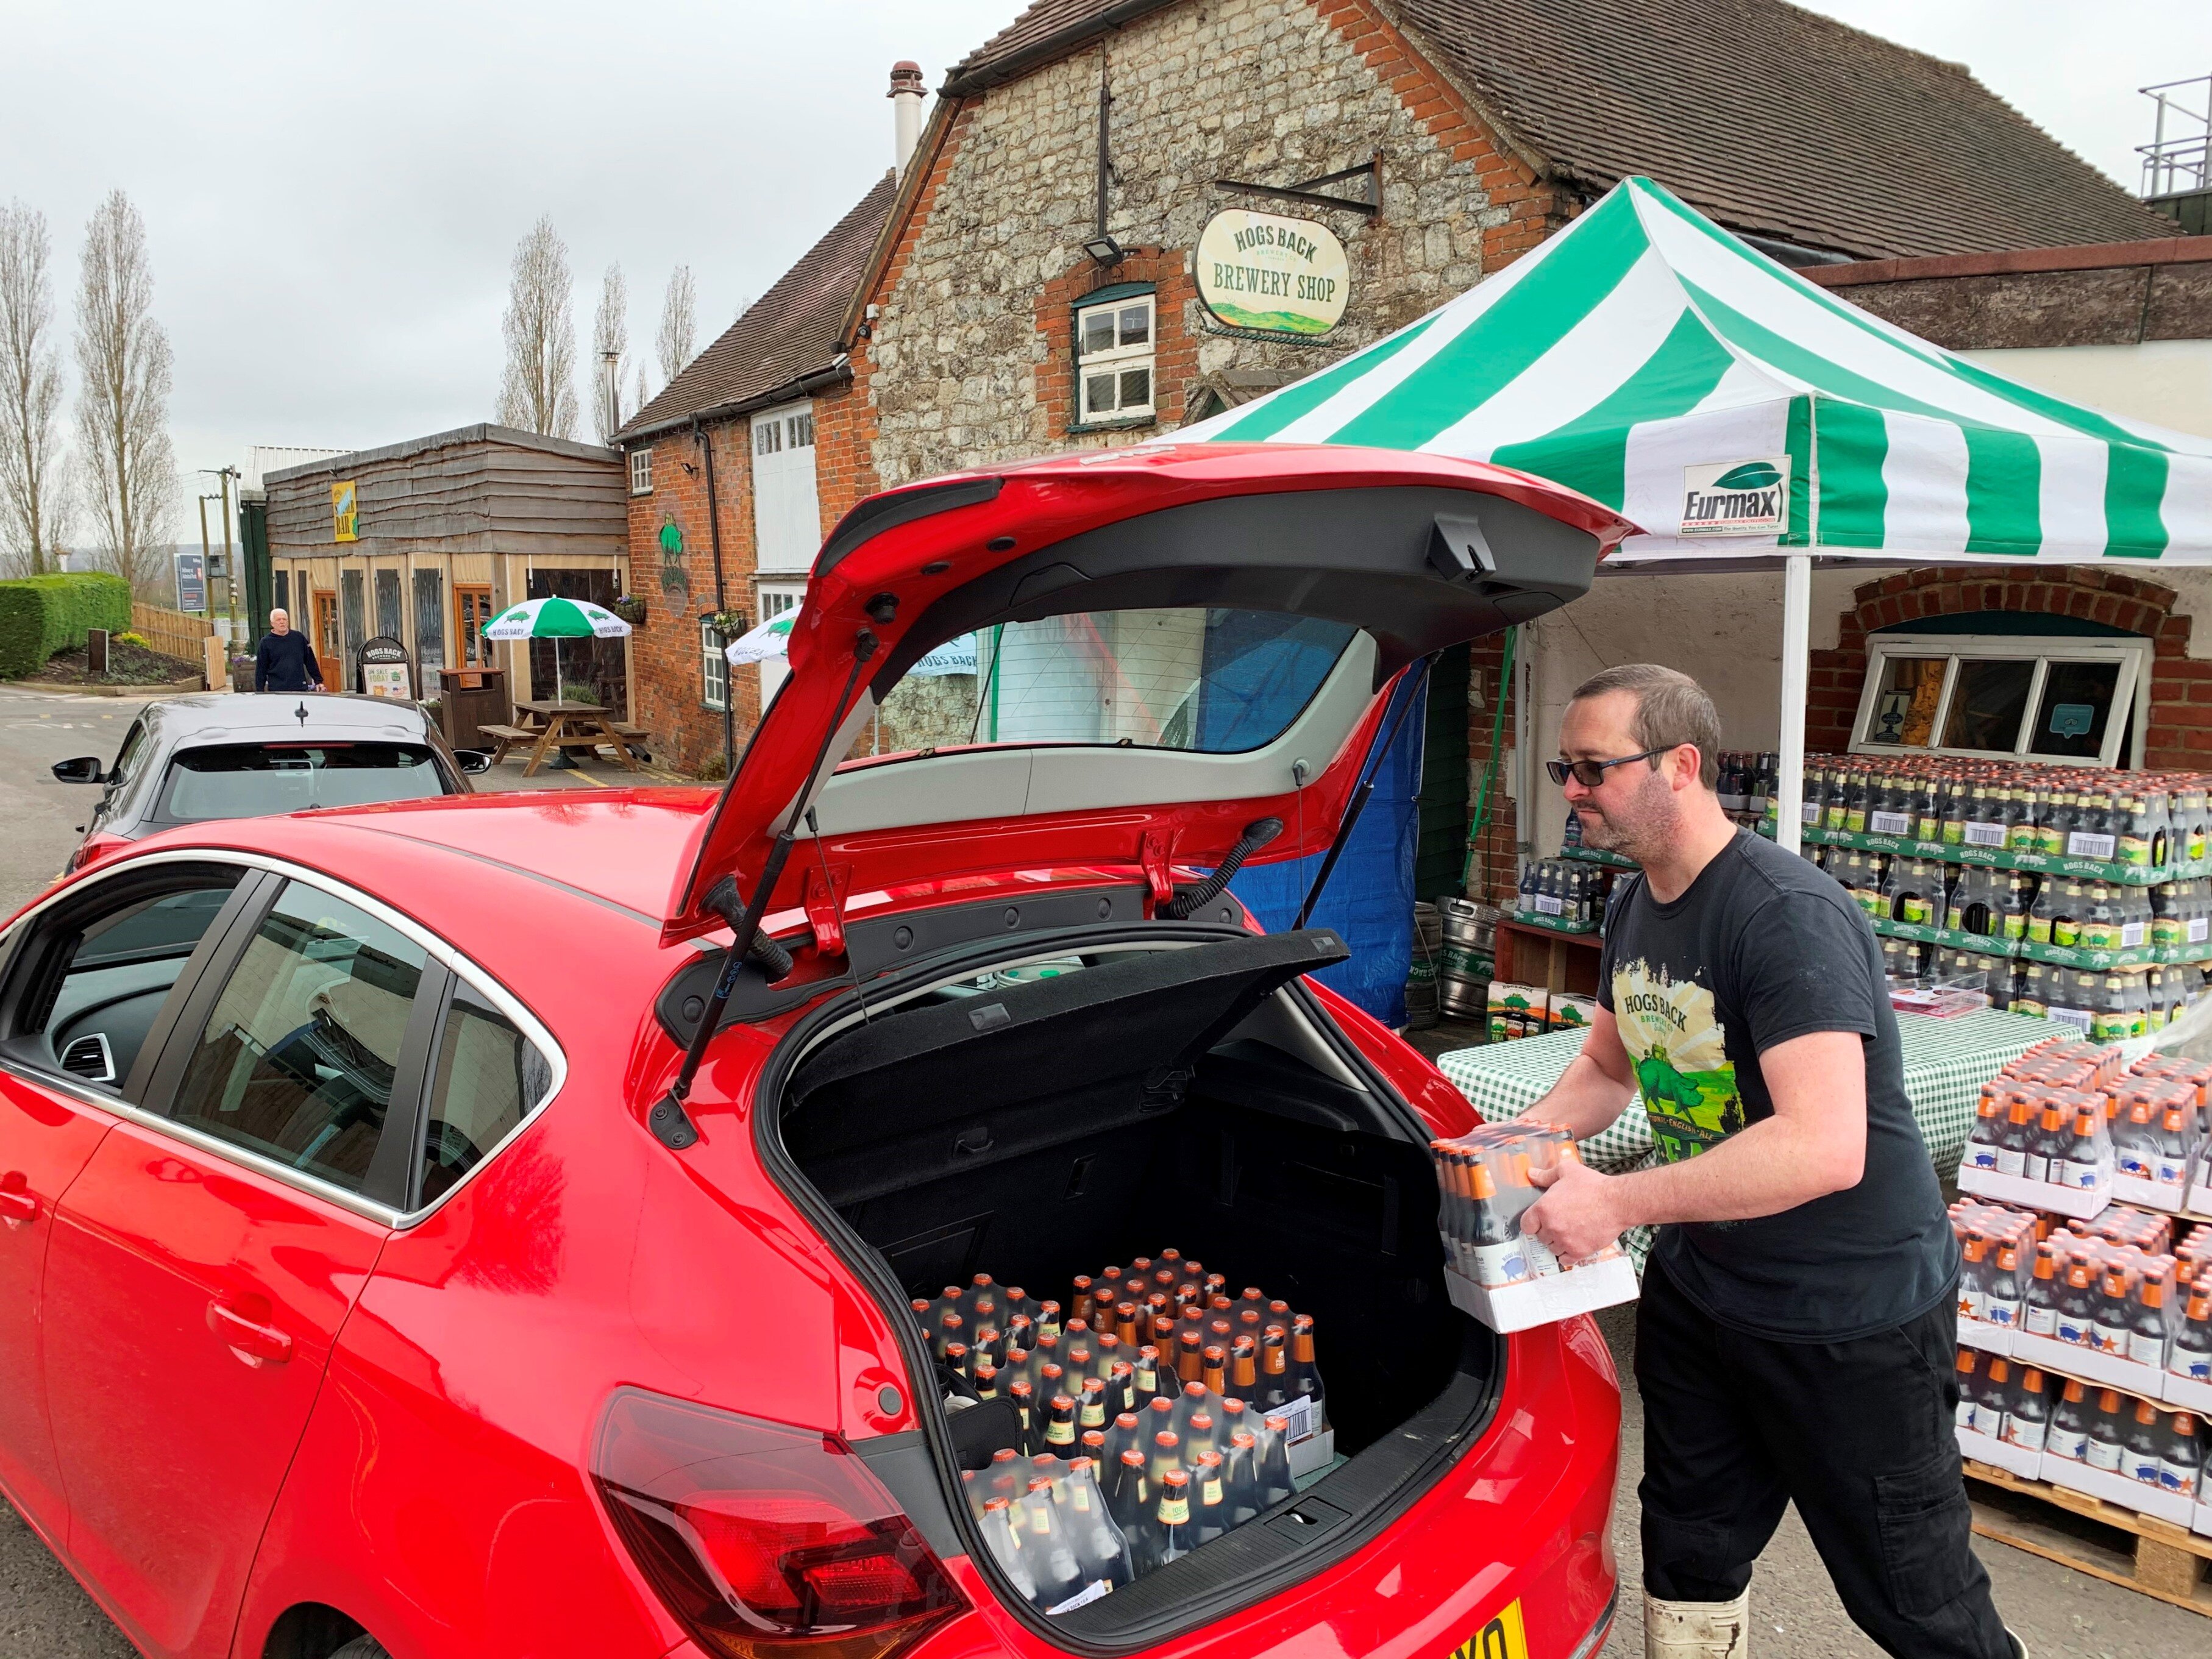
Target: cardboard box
x=1516, y=1011
x=1548, y=1298
x=2185, y=1394
x=1313, y=1454
x=2108, y=1371
x=2200, y=1194
x=1569, y=1012
x=2148, y=1194
x=2001, y=1454
x=2202, y=1520
x=2118, y=1489
x=1989, y=1338
x=2079, y=1202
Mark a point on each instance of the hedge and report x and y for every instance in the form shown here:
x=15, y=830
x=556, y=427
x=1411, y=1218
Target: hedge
x=41, y=615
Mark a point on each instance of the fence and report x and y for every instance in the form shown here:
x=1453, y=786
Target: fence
x=173, y=633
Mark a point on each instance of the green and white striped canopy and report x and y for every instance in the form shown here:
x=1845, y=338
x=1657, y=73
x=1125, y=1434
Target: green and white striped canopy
x=1646, y=357
x=555, y=619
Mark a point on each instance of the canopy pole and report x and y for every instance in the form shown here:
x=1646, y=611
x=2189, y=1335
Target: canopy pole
x=1797, y=654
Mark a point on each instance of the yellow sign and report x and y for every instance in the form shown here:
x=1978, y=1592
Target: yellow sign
x=1271, y=274
x=1501, y=1638
x=345, y=511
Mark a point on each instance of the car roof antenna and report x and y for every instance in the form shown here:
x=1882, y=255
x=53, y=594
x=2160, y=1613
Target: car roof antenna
x=1358, y=803
x=670, y=1123
x=300, y=714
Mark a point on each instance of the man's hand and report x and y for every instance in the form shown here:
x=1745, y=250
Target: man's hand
x=1580, y=1214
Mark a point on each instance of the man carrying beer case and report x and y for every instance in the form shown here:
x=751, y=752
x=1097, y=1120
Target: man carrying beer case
x=1796, y=1336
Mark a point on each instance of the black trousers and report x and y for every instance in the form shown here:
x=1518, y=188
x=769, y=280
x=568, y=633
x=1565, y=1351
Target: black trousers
x=1859, y=1434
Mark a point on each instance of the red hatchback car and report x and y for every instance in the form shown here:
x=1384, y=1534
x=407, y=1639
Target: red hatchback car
x=494, y=1226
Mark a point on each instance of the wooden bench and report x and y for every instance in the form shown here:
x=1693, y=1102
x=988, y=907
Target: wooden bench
x=507, y=737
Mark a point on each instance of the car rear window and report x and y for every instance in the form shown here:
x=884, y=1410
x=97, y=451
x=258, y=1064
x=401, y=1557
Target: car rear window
x=251, y=781
x=1207, y=680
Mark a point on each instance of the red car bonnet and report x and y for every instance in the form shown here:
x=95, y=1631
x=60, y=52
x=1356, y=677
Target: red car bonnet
x=907, y=569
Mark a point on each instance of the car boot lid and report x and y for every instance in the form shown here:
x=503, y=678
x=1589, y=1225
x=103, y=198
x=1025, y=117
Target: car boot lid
x=1419, y=552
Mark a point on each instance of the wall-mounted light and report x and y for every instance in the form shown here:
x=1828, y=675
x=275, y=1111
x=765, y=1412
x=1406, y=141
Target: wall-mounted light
x=1105, y=250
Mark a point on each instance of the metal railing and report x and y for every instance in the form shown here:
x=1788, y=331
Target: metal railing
x=2178, y=157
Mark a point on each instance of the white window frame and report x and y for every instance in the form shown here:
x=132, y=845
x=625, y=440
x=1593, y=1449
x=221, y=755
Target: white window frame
x=640, y=470
x=1118, y=358
x=714, y=667
x=2131, y=690
x=777, y=598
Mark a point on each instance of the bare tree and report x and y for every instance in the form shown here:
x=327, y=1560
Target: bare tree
x=643, y=396
x=538, y=391
x=34, y=504
x=609, y=332
x=126, y=465
x=679, y=323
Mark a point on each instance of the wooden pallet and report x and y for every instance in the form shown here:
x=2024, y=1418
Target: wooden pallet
x=2154, y=1557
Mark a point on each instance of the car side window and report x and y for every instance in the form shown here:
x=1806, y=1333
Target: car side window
x=297, y=1058
x=489, y=1077
x=127, y=757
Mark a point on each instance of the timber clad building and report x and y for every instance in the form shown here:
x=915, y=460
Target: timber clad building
x=444, y=533
x=1030, y=282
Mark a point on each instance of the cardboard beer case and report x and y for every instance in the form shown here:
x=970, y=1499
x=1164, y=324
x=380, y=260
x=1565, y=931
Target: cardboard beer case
x=2120, y=1489
x=1546, y=1299
x=2001, y=1454
x=2185, y=1394
x=2148, y=1195
x=2202, y=1520
x=2078, y=1202
x=2072, y=1359
x=1988, y=1338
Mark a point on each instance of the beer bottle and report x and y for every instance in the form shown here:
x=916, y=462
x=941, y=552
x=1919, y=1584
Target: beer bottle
x=1305, y=1378
x=1079, y=1305
x=1160, y=1414
x=1190, y=1354
x=1126, y=1498
x=1024, y=1398
x=1059, y=1427
x=1989, y=1128
x=1195, y=1398
x=1099, y=1545
x=2192, y=1356
x=1969, y=1388
x=1091, y=1443
x=2113, y=1318
x=2068, y=1436
x=1254, y=1298
x=1235, y=1418
x=1214, y=1371
x=2012, y=1144
x=956, y=1359
x=1121, y=1387
x=2170, y=1165
x=2105, y=1429
x=2145, y=1440
x=1243, y=1371
x=1050, y=1380
x=1047, y=1322
x=2077, y=1306
x=1209, y=1489
x=1122, y=1434
x=1279, y=1313
x=1243, y=1466
x=2085, y=1165
x=1109, y=1290
x=1125, y=1323
x=1276, y=1486
x=1989, y=1403
x=1045, y=1548
x=2001, y=1303
x=1091, y=1409
x=1173, y=1519
x=920, y=1306
x=1198, y=1436
x=1004, y=1544
x=1076, y=1357
x=1973, y=1278
x=2039, y=1312
x=2048, y=1153
x=2181, y=1459
x=987, y=1381
x=950, y=1329
x=2146, y=1332
x=1147, y=1375
x=1497, y=1251
x=1167, y=1454
x=2027, y=1417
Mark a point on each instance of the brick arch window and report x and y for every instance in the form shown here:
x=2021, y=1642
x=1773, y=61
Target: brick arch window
x=2174, y=689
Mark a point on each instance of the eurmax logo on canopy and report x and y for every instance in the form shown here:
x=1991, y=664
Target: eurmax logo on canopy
x=1736, y=498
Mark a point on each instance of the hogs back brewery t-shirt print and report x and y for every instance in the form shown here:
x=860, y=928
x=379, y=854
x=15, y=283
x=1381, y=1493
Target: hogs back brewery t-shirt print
x=1763, y=948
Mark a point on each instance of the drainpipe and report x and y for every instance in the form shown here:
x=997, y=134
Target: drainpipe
x=721, y=598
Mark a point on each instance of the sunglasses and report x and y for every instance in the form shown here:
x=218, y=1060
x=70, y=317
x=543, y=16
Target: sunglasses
x=1588, y=773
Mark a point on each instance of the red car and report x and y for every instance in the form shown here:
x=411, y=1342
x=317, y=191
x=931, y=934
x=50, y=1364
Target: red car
x=491, y=1226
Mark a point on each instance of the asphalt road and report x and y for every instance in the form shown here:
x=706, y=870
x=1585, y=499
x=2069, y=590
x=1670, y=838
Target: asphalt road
x=44, y=1615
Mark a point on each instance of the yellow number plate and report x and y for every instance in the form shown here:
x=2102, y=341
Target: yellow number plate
x=1501, y=1638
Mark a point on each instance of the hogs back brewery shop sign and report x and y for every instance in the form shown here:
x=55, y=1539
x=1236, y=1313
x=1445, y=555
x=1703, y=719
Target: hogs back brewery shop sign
x=1272, y=275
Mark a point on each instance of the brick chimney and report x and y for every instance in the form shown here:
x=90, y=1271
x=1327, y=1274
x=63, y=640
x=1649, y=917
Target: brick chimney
x=906, y=109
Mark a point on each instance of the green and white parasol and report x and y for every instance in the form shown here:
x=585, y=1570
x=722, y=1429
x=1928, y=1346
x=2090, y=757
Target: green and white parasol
x=555, y=619
x=772, y=639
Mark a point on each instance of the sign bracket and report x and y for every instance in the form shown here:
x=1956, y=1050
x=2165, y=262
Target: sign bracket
x=1368, y=203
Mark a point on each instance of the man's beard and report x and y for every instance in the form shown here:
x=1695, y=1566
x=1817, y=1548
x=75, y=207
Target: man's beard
x=1632, y=835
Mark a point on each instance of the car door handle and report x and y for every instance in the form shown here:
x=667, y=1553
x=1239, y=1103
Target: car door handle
x=255, y=1343
x=17, y=1203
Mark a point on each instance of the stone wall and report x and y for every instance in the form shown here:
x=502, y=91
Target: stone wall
x=969, y=364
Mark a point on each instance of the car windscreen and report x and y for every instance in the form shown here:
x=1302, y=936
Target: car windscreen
x=252, y=780
x=1203, y=679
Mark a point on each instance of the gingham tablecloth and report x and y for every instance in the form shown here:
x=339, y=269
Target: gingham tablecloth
x=1946, y=1063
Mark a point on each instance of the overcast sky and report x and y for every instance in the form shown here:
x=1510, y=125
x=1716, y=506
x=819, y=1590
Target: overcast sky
x=332, y=194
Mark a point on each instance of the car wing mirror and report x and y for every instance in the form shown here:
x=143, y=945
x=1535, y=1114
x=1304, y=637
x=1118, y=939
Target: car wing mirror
x=85, y=769
x=474, y=762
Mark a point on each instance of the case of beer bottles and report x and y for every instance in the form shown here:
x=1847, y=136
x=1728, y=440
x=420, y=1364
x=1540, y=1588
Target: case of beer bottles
x=1997, y=1247
x=2106, y=1312
x=1518, y=1010
x=2157, y=1136
x=2123, y=1447
x=2040, y=1143
x=1496, y=1272
x=1156, y=1410
x=2003, y=1410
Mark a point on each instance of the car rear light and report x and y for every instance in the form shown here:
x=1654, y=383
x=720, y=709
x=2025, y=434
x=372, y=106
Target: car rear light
x=766, y=1541
x=91, y=850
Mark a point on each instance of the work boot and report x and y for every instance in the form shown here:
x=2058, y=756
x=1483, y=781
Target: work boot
x=2019, y=1647
x=1697, y=1630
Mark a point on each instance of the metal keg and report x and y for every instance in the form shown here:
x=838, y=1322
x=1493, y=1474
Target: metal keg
x=1470, y=936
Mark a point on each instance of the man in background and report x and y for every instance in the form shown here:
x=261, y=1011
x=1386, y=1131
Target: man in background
x=284, y=661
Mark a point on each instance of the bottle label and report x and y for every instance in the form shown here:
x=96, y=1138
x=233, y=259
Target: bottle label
x=2071, y=1443
x=1985, y=1155
x=1983, y=835
x=1094, y=1413
x=2146, y=1349
x=2109, y=1028
x=1082, y=1598
x=2180, y=1478
x=1175, y=1511
x=2026, y=1432
x=2038, y=929
x=1971, y=1303
x=2197, y=1367
x=1989, y=1420
x=1855, y=820
x=2082, y=845
x=2071, y=1330
x=2131, y=1162
x=2142, y=1466
x=2040, y=1321
x=1890, y=823
x=1835, y=818
x=2011, y=1160
x=2134, y=849
x=1059, y=1434
x=2035, y=1168
x=2170, y=1169
x=1538, y=1254
x=1916, y=909
x=1966, y=1414
x=1499, y=1264
x=1210, y=1493
x=2082, y=1177
x=2002, y=1313
x=2064, y=931
x=2104, y=1454
x=2108, y=1340
x=1297, y=1416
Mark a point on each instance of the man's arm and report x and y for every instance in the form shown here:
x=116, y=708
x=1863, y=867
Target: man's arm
x=261, y=665
x=1596, y=1086
x=307, y=661
x=1814, y=1144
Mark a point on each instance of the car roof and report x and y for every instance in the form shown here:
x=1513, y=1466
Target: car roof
x=224, y=714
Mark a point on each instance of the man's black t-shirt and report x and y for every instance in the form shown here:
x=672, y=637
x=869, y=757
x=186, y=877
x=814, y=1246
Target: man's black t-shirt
x=1763, y=948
